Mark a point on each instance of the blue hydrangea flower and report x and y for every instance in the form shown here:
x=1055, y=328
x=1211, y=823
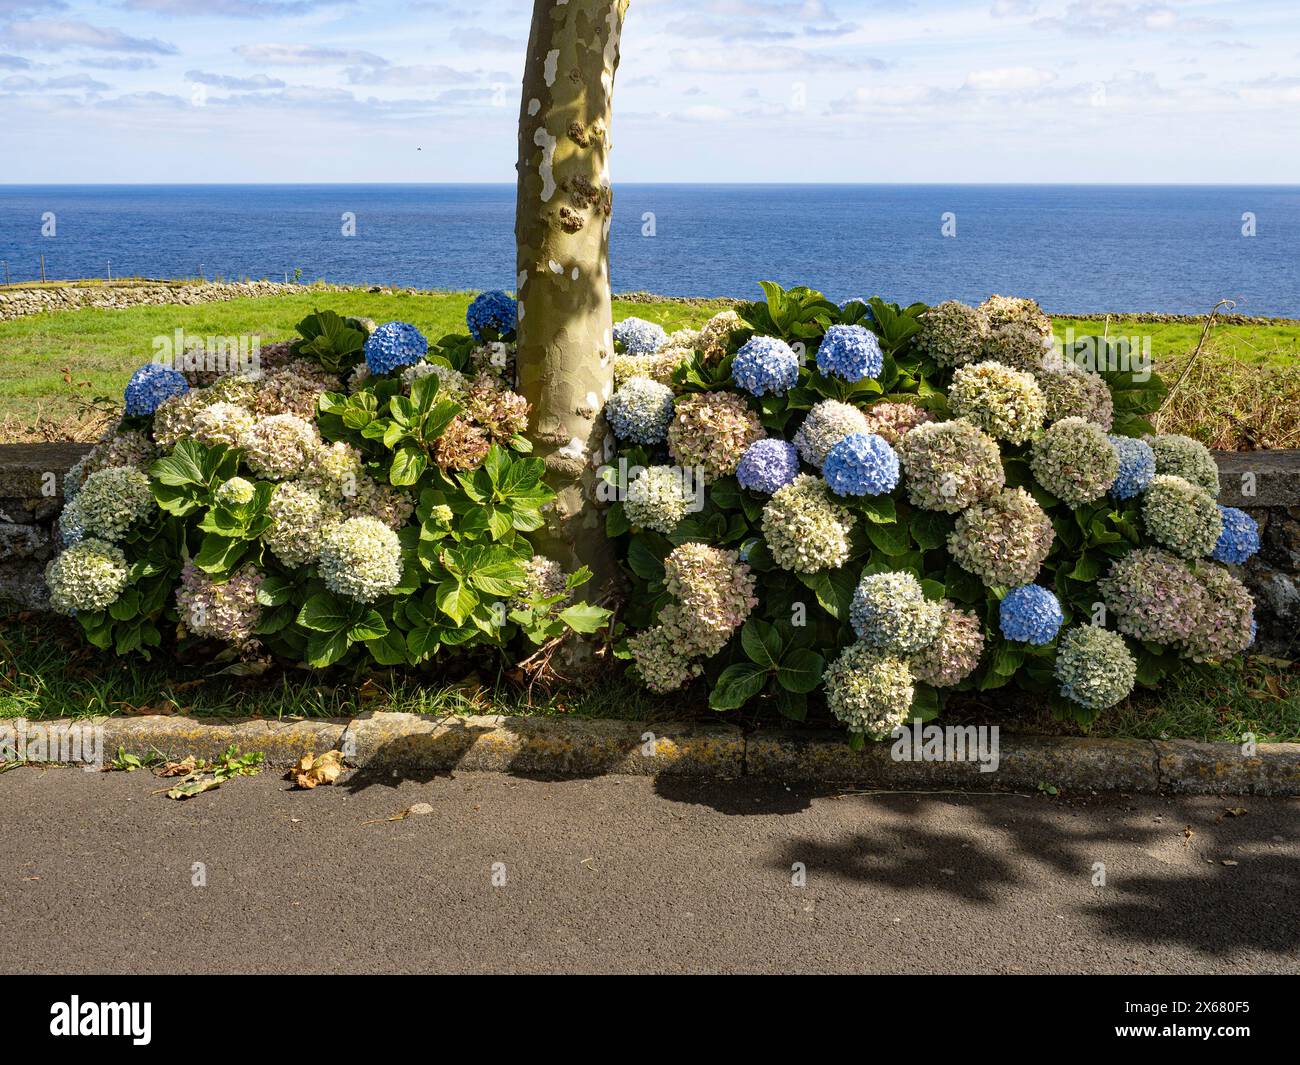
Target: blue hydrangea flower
x=1030, y=614
x=767, y=465
x=638, y=336
x=492, y=310
x=641, y=410
x=862, y=464
x=851, y=352
x=1239, y=539
x=394, y=344
x=765, y=364
x=150, y=385
x=1137, y=466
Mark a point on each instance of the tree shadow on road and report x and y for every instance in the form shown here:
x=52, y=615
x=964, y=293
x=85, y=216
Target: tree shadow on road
x=1162, y=886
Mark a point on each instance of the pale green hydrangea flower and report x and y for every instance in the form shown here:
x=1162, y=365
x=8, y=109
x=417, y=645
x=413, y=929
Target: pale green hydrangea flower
x=868, y=690
x=1181, y=516
x=1095, y=667
x=1075, y=461
x=360, y=559
x=658, y=498
x=109, y=503
x=88, y=576
x=805, y=529
x=1004, y=402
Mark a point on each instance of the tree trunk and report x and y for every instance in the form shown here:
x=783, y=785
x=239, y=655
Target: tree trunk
x=566, y=347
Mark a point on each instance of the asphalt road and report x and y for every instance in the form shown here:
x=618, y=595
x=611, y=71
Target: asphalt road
x=618, y=874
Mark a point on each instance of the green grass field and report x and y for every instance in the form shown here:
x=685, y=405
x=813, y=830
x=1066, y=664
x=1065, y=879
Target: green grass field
x=51, y=365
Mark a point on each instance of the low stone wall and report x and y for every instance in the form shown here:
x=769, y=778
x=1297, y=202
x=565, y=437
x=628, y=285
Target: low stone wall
x=17, y=302
x=1266, y=484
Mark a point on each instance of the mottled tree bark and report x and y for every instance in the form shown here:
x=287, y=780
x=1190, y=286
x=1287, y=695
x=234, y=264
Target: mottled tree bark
x=562, y=232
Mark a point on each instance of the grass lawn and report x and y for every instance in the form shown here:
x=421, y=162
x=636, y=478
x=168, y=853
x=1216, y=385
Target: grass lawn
x=97, y=350
x=47, y=670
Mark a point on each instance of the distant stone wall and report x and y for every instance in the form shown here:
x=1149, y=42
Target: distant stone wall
x=16, y=302
x=1266, y=484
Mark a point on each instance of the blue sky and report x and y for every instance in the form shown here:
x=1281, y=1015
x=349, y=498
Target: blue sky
x=708, y=90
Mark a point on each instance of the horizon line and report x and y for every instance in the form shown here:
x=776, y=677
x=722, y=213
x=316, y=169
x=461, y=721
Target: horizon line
x=684, y=184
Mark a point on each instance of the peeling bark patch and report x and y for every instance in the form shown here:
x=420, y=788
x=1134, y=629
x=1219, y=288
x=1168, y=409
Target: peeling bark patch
x=534, y=105
x=573, y=450
x=555, y=267
x=548, y=70
x=546, y=168
x=519, y=281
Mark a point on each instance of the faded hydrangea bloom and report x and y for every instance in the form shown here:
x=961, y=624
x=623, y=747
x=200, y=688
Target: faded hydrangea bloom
x=1181, y=456
x=950, y=465
x=893, y=421
x=890, y=613
x=109, y=504
x=361, y=559
x=1008, y=310
x=714, y=593
x=88, y=576
x=657, y=498
x=711, y=430
x=279, y=447
x=1077, y=394
x=224, y=611
x=1003, y=539
x=717, y=334
x=1153, y=596
x=1022, y=347
x=953, y=334
x=298, y=518
x=954, y=654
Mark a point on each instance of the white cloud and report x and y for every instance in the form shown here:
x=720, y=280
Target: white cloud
x=1009, y=79
x=226, y=81
x=303, y=55
x=760, y=59
x=54, y=35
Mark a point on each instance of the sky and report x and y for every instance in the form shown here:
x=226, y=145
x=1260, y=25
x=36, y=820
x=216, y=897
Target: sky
x=940, y=91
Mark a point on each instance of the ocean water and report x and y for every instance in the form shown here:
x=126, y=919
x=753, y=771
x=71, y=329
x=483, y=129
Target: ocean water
x=1174, y=249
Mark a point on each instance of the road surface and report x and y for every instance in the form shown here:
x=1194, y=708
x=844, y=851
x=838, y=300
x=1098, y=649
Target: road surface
x=619, y=874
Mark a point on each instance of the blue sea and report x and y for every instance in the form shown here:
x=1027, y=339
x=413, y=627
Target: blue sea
x=1073, y=247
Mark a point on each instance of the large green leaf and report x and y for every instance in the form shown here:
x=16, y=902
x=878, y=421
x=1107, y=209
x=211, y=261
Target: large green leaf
x=737, y=685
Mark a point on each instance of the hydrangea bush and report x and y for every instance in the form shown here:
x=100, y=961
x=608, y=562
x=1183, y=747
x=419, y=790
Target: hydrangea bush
x=359, y=495
x=900, y=502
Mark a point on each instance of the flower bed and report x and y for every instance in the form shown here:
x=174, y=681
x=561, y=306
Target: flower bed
x=357, y=494
x=901, y=502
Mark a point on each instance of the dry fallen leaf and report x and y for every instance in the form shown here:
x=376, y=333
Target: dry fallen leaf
x=177, y=769
x=1235, y=811
x=1228, y=861
x=317, y=769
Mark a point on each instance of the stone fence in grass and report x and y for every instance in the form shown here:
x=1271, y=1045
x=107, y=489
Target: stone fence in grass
x=1266, y=484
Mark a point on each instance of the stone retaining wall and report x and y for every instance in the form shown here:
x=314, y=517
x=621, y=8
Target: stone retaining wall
x=1266, y=484
x=17, y=302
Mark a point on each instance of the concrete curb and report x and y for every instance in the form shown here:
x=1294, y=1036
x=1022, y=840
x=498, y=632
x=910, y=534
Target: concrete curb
x=413, y=745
